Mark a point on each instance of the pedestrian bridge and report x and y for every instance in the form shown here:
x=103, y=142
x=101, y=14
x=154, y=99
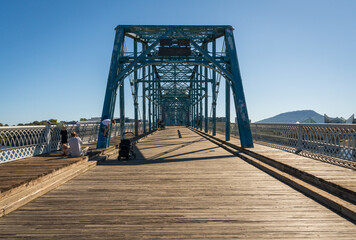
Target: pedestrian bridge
x=197, y=178
x=191, y=187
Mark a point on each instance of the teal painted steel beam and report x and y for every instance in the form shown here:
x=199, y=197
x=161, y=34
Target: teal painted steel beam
x=111, y=89
x=176, y=87
x=227, y=110
x=153, y=103
x=191, y=115
x=206, y=123
x=144, y=97
x=147, y=63
x=122, y=110
x=142, y=55
x=135, y=92
x=201, y=97
x=149, y=102
x=195, y=90
x=214, y=91
x=208, y=57
x=238, y=93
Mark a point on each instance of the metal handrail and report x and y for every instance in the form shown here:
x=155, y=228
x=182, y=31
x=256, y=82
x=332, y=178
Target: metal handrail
x=18, y=142
x=324, y=140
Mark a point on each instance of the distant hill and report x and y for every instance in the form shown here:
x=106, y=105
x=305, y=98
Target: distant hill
x=296, y=116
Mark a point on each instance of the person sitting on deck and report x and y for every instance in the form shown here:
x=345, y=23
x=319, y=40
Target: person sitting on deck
x=66, y=150
x=75, y=144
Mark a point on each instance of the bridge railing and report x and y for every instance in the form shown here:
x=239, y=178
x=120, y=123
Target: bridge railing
x=321, y=140
x=18, y=142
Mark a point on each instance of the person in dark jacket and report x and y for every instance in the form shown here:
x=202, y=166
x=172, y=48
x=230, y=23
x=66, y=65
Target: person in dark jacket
x=64, y=137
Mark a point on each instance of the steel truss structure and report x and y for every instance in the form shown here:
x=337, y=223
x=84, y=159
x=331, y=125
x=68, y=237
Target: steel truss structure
x=176, y=67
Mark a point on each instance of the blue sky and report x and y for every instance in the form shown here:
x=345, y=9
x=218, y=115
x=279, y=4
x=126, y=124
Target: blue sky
x=294, y=54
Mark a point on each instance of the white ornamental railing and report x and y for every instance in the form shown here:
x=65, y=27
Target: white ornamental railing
x=26, y=141
x=334, y=140
x=321, y=141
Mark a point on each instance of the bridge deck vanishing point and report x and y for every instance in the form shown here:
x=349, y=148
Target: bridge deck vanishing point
x=177, y=188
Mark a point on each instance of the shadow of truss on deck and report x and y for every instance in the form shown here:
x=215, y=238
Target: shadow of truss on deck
x=159, y=160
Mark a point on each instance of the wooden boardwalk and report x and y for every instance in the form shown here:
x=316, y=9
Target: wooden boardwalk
x=343, y=177
x=178, y=188
x=16, y=173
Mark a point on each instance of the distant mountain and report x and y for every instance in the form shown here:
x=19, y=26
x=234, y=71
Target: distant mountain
x=296, y=116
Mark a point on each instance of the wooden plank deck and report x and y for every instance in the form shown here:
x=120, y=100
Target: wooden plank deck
x=15, y=173
x=178, y=188
x=341, y=176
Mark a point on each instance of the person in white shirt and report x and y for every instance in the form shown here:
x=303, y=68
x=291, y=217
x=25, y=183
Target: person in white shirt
x=66, y=150
x=106, y=123
x=75, y=144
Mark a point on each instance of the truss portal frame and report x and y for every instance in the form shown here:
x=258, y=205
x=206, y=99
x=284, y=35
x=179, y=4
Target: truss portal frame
x=178, y=65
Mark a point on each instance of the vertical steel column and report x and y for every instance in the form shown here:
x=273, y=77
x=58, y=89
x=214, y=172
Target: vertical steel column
x=206, y=125
x=238, y=93
x=193, y=108
x=159, y=107
x=201, y=98
x=192, y=102
x=191, y=113
x=214, y=90
x=153, y=99
x=144, y=95
x=196, y=101
x=111, y=87
x=157, y=102
x=122, y=110
x=155, y=92
x=149, y=102
x=227, y=110
x=136, y=91
x=186, y=122
x=144, y=100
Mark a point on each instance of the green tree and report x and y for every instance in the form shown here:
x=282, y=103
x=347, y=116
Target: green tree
x=20, y=124
x=53, y=121
x=83, y=119
x=1, y=125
